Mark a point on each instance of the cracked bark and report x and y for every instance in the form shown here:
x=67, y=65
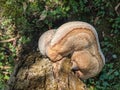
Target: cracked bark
x=36, y=73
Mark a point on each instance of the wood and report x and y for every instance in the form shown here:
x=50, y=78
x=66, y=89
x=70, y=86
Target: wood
x=33, y=72
x=10, y=40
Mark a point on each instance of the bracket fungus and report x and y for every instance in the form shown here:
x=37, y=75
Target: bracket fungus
x=78, y=40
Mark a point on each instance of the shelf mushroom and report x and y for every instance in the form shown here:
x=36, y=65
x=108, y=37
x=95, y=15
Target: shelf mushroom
x=78, y=39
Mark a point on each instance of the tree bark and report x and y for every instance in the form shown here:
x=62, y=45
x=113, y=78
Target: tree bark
x=34, y=72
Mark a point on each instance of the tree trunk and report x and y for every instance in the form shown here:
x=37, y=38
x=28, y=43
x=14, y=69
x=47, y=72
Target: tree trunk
x=34, y=72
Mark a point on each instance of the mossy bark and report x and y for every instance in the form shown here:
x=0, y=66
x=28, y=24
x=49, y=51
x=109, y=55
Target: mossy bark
x=36, y=73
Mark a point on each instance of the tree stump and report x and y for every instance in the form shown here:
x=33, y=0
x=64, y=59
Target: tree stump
x=34, y=72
